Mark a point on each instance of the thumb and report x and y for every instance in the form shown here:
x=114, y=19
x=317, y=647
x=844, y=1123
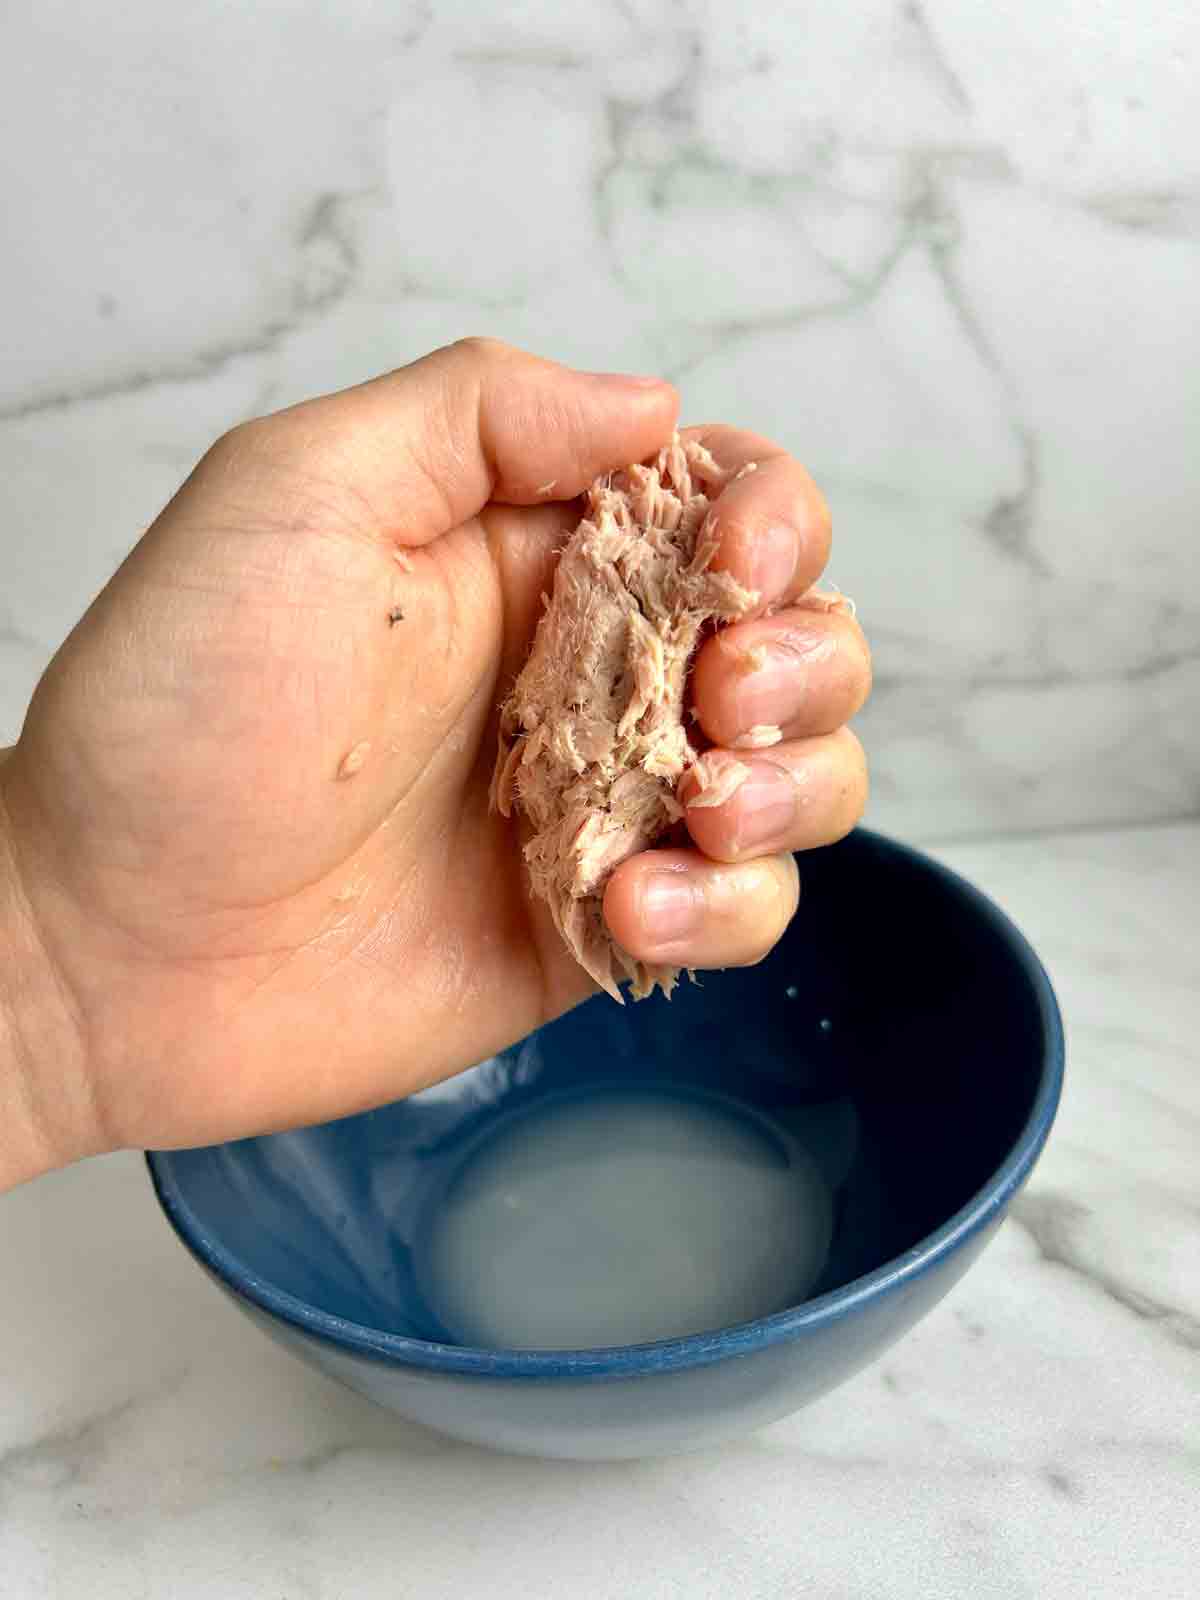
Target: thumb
x=427, y=446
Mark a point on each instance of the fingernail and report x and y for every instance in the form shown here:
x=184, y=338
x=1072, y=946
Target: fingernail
x=774, y=561
x=766, y=807
x=671, y=907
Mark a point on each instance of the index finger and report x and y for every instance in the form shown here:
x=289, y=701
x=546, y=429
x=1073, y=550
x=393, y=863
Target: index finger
x=771, y=519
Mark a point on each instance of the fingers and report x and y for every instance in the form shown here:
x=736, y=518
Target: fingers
x=797, y=796
x=773, y=522
x=806, y=670
x=676, y=908
x=429, y=445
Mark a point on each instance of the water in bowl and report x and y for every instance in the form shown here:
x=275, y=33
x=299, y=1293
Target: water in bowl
x=623, y=1217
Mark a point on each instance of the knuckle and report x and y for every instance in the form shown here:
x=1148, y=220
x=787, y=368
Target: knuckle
x=817, y=517
x=853, y=789
x=266, y=438
x=481, y=348
x=822, y=515
x=303, y=485
x=866, y=670
x=862, y=793
x=778, y=897
x=850, y=750
x=236, y=441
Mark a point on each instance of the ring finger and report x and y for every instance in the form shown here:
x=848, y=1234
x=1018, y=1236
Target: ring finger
x=806, y=671
x=797, y=795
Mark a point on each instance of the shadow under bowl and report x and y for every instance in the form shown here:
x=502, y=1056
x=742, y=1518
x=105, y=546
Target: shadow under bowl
x=648, y=1228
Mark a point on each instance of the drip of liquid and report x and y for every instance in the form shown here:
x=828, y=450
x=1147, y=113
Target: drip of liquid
x=622, y=1218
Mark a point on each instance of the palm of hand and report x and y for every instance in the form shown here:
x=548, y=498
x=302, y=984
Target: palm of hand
x=287, y=832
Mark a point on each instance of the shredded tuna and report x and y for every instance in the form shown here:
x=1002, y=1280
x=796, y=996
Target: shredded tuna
x=819, y=600
x=717, y=778
x=745, y=660
x=592, y=737
x=760, y=737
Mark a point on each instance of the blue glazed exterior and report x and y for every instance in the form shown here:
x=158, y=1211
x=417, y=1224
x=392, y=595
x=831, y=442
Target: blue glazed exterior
x=935, y=1013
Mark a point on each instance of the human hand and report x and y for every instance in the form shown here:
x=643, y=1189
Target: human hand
x=247, y=819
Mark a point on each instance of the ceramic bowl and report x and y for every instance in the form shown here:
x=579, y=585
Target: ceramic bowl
x=649, y=1228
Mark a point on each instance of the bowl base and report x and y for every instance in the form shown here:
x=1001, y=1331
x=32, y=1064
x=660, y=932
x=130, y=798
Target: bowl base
x=621, y=1216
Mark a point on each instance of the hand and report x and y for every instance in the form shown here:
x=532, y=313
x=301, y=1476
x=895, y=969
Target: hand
x=248, y=814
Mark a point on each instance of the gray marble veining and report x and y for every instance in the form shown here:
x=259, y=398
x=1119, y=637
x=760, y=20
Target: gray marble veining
x=950, y=257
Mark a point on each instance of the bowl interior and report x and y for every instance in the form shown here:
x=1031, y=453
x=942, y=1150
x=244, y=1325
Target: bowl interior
x=636, y=1173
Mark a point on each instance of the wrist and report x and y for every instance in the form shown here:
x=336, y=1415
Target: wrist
x=40, y=1058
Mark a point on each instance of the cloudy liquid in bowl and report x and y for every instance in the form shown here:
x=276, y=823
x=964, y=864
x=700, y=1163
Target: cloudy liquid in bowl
x=621, y=1218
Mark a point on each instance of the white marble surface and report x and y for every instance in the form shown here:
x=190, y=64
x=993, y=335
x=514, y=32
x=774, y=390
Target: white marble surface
x=948, y=253
x=1037, y=1436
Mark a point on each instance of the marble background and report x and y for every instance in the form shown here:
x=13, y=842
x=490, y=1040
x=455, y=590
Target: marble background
x=948, y=253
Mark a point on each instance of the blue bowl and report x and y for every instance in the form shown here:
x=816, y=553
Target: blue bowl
x=649, y=1228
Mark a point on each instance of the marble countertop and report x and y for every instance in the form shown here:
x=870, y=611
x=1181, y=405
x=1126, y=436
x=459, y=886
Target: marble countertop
x=1037, y=1435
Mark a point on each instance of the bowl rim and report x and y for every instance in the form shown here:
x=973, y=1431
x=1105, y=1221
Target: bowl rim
x=984, y=1208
